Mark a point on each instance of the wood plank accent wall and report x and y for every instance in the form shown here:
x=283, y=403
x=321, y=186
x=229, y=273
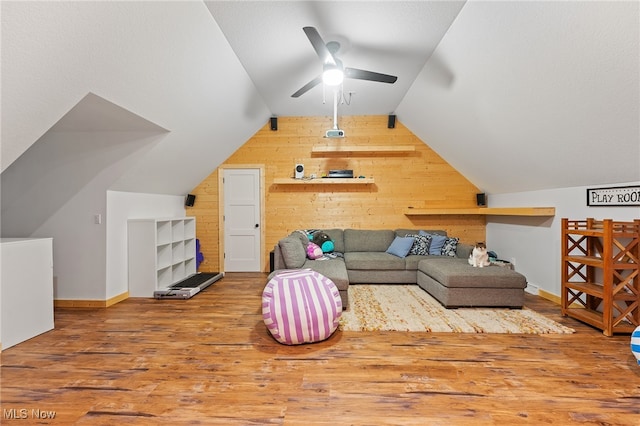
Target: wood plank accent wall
x=417, y=179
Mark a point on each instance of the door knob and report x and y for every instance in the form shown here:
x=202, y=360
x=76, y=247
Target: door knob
x=257, y=225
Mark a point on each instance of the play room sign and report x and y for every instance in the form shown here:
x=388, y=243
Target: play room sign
x=614, y=196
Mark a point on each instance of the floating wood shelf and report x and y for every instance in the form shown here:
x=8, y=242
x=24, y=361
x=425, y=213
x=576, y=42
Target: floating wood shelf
x=346, y=149
x=485, y=211
x=324, y=181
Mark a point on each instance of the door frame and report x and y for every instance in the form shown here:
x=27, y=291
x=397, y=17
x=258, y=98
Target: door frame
x=221, y=233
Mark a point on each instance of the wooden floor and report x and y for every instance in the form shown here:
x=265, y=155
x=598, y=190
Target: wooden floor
x=210, y=360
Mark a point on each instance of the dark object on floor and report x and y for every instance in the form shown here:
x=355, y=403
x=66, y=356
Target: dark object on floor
x=189, y=287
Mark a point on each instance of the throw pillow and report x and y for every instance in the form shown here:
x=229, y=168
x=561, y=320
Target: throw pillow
x=420, y=246
x=327, y=246
x=437, y=242
x=450, y=247
x=313, y=251
x=400, y=246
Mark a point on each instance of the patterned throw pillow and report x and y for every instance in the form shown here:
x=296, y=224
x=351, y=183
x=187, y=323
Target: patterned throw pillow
x=420, y=245
x=450, y=247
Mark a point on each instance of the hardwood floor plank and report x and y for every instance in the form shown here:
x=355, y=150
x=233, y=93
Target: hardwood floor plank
x=211, y=360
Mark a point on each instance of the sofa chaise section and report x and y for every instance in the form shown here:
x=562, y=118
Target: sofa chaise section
x=454, y=283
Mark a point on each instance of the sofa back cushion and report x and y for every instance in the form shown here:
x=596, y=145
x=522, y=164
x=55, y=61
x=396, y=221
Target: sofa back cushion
x=367, y=240
x=293, y=252
x=401, y=232
x=302, y=236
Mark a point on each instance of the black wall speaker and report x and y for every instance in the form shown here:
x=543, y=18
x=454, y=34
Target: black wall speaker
x=481, y=199
x=190, y=200
x=392, y=122
x=274, y=123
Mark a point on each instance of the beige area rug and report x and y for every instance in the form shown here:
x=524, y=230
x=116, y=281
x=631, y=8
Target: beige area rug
x=409, y=308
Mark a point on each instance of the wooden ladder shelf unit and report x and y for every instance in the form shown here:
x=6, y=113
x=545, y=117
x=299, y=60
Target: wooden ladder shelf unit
x=600, y=273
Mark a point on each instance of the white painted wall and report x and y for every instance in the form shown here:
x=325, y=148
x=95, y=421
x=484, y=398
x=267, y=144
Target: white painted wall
x=535, y=242
x=528, y=95
x=166, y=61
x=141, y=97
x=122, y=206
x=56, y=188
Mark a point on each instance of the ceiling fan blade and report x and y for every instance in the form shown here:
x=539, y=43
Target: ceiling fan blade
x=319, y=45
x=310, y=85
x=369, y=75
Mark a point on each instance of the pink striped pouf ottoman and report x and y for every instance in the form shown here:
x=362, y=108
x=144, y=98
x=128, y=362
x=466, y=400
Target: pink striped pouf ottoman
x=301, y=306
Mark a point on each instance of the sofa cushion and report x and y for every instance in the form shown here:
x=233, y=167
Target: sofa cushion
x=334, y=269
x=359, y=240
x=412, y=260
x=455, y=272
x=401, y=232
x=434, y=232
x=293, y=252
x=302, y=236
x=373, y=261
x=400, y=246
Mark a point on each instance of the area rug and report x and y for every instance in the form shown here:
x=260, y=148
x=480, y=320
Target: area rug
x=409, y=308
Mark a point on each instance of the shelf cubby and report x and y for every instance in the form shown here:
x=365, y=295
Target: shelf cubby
x=161, y=252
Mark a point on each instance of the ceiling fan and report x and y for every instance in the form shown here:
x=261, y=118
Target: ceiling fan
x=333, y=71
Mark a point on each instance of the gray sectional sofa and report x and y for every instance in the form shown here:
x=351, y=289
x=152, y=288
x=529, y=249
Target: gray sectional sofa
x=363, y=259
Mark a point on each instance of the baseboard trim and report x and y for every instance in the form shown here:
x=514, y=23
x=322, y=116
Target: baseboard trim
x=549, y=296
x=73, y=303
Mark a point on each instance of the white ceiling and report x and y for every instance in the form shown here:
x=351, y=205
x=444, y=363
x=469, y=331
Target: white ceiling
x=392, y=37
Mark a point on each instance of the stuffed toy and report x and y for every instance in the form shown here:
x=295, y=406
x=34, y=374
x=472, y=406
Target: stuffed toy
x=323, y=241
x=314, y=251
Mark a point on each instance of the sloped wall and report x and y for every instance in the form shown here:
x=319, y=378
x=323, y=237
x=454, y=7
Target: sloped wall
x=538, y=93
x=419, y=179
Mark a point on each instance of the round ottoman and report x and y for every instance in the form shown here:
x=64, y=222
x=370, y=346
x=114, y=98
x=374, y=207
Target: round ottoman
x=301, y=306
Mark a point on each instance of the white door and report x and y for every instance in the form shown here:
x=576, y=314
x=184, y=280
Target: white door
x=241, y=220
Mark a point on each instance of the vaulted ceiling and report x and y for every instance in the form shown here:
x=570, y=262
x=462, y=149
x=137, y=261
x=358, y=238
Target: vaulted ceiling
x=517, y=96
x=395, y=38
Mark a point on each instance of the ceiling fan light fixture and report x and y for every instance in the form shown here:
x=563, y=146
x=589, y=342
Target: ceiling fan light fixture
x=332, y=76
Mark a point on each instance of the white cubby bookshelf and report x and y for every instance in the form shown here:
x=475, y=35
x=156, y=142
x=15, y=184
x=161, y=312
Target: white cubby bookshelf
x=161, y=252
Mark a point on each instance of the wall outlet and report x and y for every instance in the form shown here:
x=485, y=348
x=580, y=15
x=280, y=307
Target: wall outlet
x=97, y=219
